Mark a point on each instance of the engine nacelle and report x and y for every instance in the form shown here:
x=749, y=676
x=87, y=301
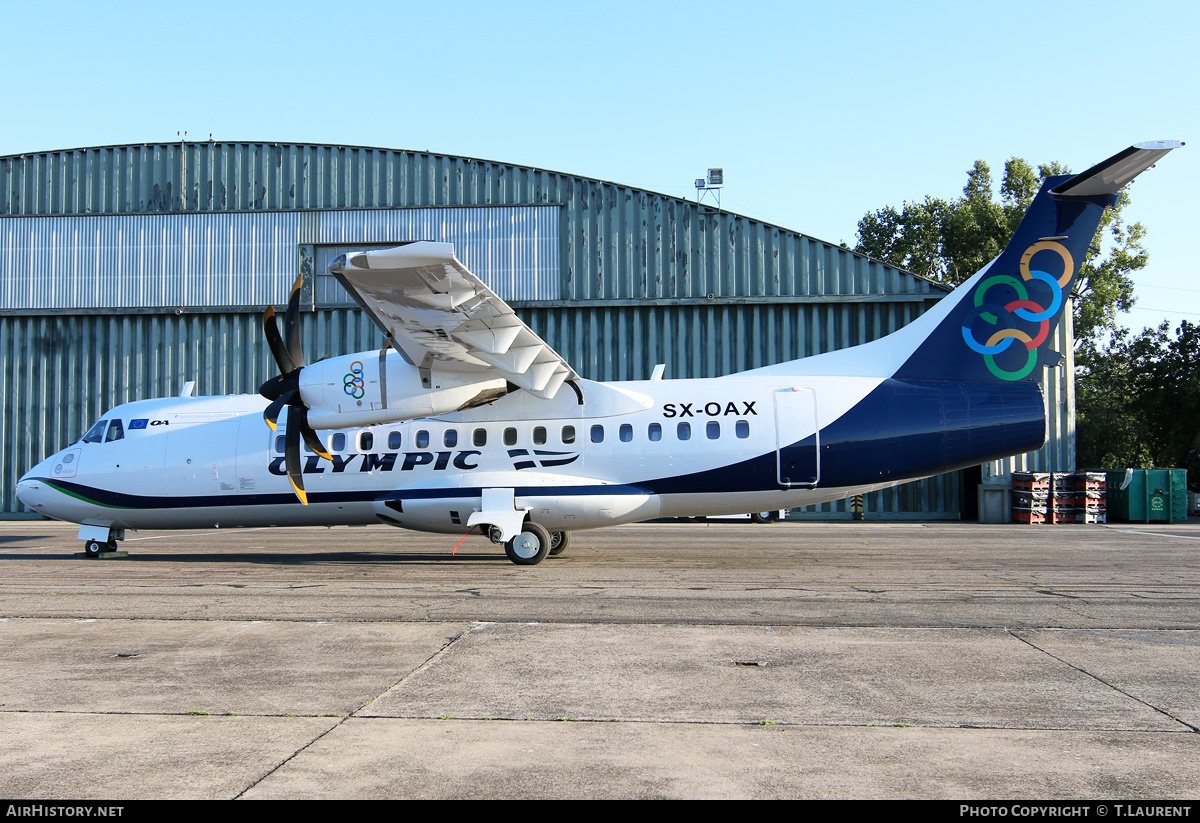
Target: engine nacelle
x=369, y=388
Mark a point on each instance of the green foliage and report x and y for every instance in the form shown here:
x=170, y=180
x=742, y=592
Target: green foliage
x=951, y=240
x=1138, y=400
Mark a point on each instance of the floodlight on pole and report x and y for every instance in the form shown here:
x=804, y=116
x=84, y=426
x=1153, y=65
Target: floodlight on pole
x=710, y=183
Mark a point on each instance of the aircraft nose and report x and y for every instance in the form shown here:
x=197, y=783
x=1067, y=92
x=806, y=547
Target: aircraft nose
x=31, y=493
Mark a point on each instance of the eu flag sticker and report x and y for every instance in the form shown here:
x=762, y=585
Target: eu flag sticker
x=140, y=423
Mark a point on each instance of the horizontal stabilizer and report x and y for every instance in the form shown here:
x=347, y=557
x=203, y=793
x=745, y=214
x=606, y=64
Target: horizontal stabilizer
x=1114, y=173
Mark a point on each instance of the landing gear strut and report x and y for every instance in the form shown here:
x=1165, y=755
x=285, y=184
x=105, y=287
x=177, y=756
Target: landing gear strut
x=529, y=547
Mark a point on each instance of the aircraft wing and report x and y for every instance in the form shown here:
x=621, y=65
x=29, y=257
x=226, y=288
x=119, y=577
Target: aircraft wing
x=437, y=314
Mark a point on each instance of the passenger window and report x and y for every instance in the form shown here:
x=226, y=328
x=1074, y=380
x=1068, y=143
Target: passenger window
x=365, y=441
x=339, y=442
x=655, y=432
x=568, y=434
x=684, y=431
x=115, y=431
x=597, y=433
x=96, y=433
x=394, y=441
x=450, y=438
x=626, y=432
x=742, y=429
x=422, y=439
x=280, y=444
x=713, y=429
x=510, y=437
x=539, y=435
x=479, y=437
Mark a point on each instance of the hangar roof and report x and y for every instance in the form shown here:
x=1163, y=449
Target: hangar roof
x=618, y=242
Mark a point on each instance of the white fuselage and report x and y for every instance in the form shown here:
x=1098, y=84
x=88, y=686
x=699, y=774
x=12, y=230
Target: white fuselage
x=603, y=455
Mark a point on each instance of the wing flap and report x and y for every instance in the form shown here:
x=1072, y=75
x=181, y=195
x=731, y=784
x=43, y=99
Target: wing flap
x=432, y=308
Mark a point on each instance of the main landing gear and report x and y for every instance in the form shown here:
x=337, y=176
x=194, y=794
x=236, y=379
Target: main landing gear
x=534, y=542
x=559, y=542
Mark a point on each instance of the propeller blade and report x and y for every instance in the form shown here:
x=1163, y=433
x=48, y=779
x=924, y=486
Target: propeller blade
x=271, y=414
x=291, y=328
x=291, y=451
x=310, y=436
x=275, y=341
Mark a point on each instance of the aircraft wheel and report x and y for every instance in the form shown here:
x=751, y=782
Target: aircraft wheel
x=764, y=517
x=93, y=548
x=529, y=547
x=559, y=542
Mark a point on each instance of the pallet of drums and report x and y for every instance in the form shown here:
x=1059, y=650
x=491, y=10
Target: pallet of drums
x=1059, y=497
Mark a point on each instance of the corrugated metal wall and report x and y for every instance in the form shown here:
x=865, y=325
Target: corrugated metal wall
x=643, y=278
x=217, y=261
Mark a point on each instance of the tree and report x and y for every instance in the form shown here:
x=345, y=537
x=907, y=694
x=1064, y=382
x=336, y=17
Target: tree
x=950, y=240
x=1138, y=402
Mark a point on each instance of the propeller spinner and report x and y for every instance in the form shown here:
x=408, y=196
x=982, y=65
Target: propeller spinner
x=284, y=390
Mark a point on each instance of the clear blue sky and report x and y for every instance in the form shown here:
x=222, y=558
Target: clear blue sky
x=817, y=114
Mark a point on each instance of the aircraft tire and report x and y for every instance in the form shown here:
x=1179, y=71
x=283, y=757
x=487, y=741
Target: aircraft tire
x=559, y=542
x=94, y=548
x=764, y=517
x=530, y=547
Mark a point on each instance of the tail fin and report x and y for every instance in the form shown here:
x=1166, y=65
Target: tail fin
x=999, y=323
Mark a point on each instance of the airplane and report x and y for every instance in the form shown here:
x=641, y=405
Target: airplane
x=465, y=420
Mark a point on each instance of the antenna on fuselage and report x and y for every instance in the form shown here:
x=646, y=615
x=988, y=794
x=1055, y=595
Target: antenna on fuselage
x=189, y=389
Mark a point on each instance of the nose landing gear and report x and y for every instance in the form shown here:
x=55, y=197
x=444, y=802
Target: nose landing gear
x=101, y=540
x=94, y=548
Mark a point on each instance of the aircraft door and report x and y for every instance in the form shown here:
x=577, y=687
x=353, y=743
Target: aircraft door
x=797, y=437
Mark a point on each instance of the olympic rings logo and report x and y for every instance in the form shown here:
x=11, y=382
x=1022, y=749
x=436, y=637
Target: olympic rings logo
x=352, y=383
x=1005, y=316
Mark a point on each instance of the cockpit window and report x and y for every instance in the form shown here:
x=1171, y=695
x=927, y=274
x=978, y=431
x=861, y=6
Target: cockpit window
x=96, y=433
x=115, y=431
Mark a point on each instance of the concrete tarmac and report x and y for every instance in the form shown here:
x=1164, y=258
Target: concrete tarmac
x=793, y=660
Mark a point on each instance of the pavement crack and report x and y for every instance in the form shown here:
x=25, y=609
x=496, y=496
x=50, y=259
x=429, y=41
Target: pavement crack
x=429, y=661
x=287, y=760
x=1104, y=682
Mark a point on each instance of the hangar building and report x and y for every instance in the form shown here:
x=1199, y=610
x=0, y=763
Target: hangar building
x=127, y=270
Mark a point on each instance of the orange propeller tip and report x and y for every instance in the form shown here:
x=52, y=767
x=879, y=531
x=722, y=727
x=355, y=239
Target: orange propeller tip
x=300, y=493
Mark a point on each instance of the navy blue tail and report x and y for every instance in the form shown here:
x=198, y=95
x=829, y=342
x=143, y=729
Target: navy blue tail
x=1003, y=319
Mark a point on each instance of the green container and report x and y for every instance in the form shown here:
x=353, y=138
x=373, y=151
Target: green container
x=1149, y=495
